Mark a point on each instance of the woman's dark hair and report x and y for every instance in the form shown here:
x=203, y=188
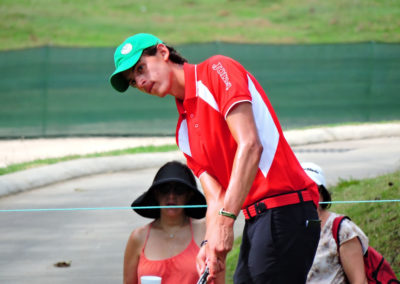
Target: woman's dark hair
x=174, y=55
x=326, y=197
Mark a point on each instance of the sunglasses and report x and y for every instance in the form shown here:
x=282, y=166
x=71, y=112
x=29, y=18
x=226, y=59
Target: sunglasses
x=174, y=188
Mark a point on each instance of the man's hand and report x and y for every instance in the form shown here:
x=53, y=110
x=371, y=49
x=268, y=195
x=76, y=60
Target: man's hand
x=219, y=232
x=201, y=260
x=220, y=242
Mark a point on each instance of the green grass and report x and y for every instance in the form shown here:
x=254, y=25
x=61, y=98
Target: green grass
x=28, y=23
x=380, y=221
x=43, y=162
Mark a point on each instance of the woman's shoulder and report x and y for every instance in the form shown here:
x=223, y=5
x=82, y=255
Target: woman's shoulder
x=200, y=223
x=350, y=230
x=199, y=229
x=138, y=235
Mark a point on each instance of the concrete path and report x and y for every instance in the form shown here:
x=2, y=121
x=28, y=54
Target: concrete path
x=93, y=241
x=16, y=151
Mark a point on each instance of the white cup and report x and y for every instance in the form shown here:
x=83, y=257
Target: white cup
x=150, y=280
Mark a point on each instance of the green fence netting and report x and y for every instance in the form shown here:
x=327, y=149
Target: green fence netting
x=54, y=91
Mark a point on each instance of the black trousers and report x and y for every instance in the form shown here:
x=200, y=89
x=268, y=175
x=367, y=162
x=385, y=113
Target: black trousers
x=279, y=245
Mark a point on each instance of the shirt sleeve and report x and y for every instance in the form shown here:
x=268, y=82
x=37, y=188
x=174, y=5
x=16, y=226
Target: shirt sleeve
x=349, y=230
x=196, y=169
x=229, y=82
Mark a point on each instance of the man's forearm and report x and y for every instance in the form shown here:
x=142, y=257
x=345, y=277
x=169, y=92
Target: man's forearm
x=244, y=170
x=215, y=196
x=247, y=157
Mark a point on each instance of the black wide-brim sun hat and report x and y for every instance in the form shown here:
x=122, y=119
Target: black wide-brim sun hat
x=172, y=172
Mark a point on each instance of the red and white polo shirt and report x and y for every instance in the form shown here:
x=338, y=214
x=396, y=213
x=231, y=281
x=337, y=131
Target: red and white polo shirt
x=212, y=88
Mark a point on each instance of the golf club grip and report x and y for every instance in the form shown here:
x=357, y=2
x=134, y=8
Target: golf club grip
x=203, y=278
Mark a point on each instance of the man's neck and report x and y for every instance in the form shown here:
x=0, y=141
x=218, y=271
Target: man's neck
x=178, y=84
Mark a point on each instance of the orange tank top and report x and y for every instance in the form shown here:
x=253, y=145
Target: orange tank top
x=180, y=268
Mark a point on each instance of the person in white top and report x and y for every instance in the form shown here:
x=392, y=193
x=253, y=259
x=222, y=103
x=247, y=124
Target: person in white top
x=329, y=266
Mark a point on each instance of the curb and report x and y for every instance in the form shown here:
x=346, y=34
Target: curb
x=39, y=177
x=342, y=133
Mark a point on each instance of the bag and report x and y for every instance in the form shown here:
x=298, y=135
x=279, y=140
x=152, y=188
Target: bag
x=377, y=269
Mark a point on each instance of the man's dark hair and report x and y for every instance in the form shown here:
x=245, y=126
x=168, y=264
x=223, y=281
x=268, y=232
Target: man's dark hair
x=174, y=55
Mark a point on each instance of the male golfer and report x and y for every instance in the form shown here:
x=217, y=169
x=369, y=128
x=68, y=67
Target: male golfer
x=234, y=144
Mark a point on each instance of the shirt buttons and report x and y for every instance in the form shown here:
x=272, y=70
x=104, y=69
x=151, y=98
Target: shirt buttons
x=196, y=125
x=191, y=115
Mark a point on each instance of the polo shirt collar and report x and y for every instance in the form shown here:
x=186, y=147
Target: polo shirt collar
x=190, y=80
x=190, y=87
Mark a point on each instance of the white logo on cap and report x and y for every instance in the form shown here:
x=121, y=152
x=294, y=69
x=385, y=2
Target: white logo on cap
x=126, y=48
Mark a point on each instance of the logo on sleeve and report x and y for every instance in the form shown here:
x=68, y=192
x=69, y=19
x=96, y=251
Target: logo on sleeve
x=222, y=73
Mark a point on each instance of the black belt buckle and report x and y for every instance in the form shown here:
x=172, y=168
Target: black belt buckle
x=260, y=207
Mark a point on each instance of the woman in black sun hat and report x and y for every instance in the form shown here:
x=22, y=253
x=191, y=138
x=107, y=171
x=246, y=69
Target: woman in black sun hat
x=167, y=247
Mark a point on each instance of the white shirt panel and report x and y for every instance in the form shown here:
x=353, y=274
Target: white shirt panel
x=183, y=138
x=206, y=95
x=264, y=124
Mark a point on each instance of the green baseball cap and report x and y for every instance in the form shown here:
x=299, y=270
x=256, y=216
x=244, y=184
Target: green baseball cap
x=127, y=55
